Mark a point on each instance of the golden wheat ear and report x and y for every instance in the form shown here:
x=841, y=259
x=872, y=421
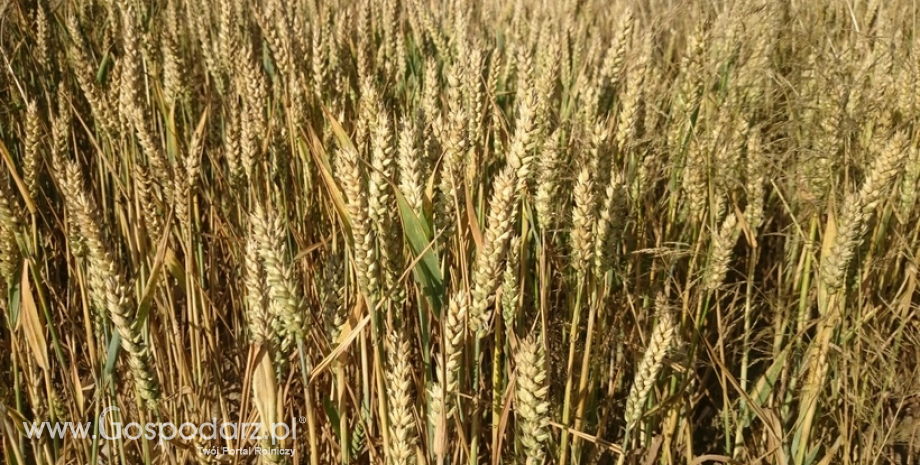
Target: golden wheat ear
x=663, y=339
x=531, y=393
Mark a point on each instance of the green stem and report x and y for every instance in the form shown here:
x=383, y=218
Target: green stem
x=567, y=402
x=308, y=398
x=498, y=381
x=379, y=358
x=477, y=424
x=585, y=373
x=345, y=445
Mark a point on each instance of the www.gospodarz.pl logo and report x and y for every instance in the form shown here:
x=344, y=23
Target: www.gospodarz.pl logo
x=164, y=431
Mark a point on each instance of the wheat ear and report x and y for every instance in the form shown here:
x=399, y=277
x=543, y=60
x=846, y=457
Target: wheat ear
x=511, y=289
x=411, y=166
x=286, y=302
x=10, y=223
x=548, y=177
x=721, y=251
x=264, y=384
x=531, y=406
x=403, y=433
x=609, y=223
x=443, y=392
x=31, y=159
x=454, y=140
x=108, y=285
x=858, y=207
x=489, y=259
x=382, y=204
x=583, y=216
x=663, y=338
x=362, y=231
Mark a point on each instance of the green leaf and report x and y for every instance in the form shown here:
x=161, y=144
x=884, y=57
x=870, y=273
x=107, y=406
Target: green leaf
x=111, y=356
x=764, y=386
x=333, y=415
x=426, y=270
x=13, y=302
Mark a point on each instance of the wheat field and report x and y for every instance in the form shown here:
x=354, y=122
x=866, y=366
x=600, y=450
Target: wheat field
x=446, y=232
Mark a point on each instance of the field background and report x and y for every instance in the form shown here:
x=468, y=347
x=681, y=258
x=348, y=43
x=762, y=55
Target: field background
x=566, y=232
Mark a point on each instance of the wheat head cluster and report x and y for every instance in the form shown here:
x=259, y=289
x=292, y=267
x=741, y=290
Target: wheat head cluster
x=444, y=232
